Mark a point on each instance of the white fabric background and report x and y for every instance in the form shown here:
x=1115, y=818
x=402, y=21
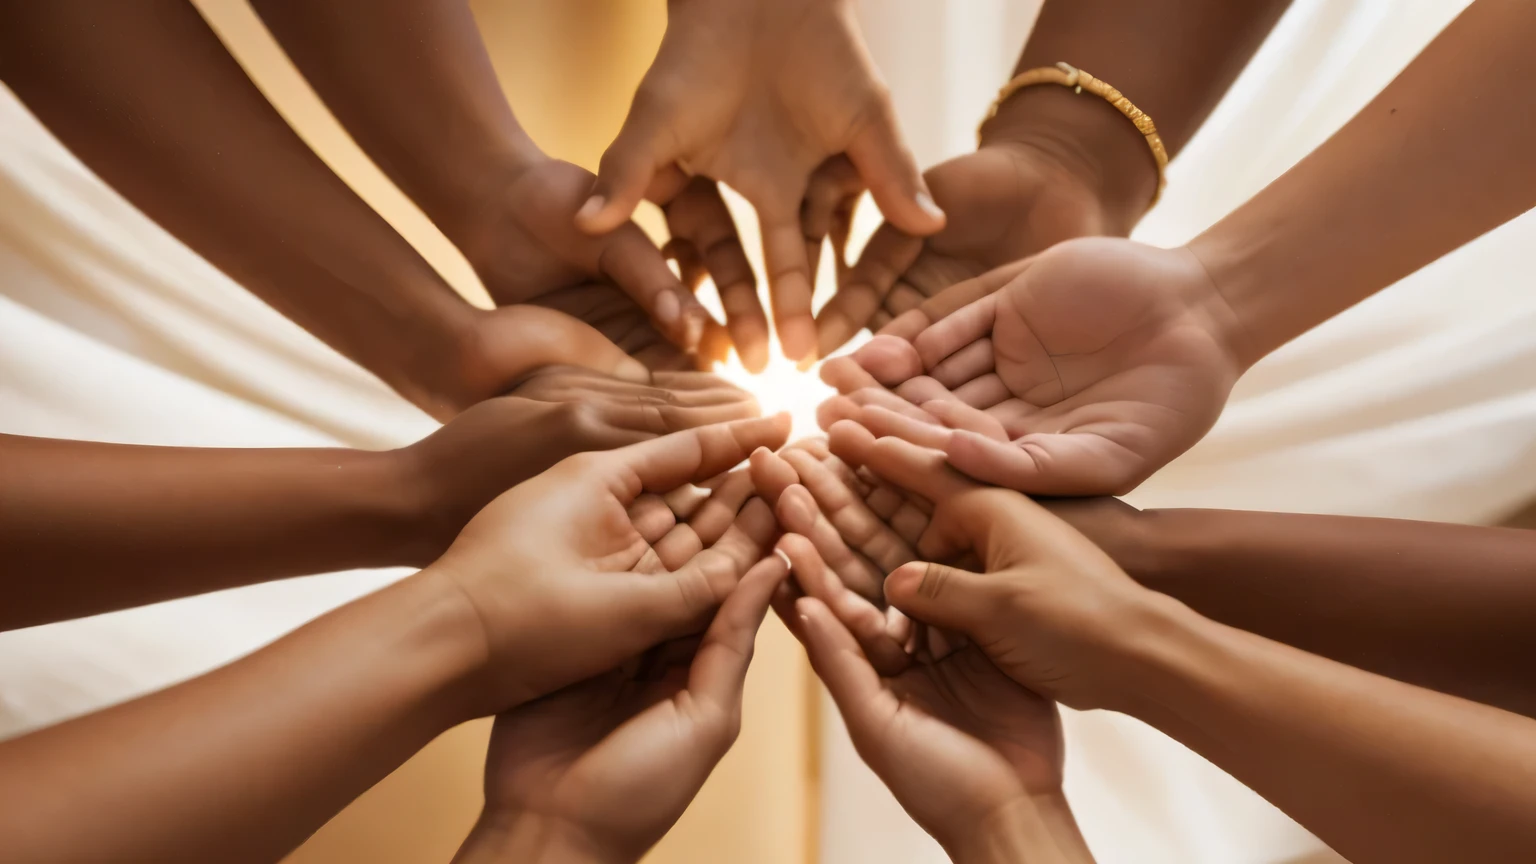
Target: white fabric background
x=1420, y=403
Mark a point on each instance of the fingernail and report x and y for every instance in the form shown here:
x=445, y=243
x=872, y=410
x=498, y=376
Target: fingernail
x=667, y=308
x=783, y=556
x=925, y=201
x=807, y=361
x=754, y=356
x=592, y=207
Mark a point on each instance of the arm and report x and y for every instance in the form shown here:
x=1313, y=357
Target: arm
x=90, y=527
x=1053, y=164
x=1450, y=607
x=146, y=95
x=220, y=768
x=1347, y=221
x=413, y=84
x=1381, y=771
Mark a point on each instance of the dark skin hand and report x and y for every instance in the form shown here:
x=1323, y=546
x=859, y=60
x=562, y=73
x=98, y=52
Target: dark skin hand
x=1053, y=164
x=413, y=84
x=91, y=527
x=147, y=96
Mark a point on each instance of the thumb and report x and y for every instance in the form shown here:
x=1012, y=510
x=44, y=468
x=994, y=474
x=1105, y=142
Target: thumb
x=516, y=340
x=941, y=596
x=628, y=166
x=890, y=171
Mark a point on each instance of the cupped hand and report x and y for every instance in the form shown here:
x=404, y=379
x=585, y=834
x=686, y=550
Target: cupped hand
x=1050, y=608
x=586, y=565
x=757, y=94
x=1098, y=363
x=958, y=743
x=605, y=767
x=524, y=246
x=1004, y=202
x=557, y=412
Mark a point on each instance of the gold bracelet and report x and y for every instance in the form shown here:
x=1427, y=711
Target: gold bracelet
x=1070, y=76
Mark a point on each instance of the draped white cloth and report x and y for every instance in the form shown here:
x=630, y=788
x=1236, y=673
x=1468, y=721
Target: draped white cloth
x=1420, y=403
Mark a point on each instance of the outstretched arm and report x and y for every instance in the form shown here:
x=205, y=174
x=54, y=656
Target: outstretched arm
x=146, y=95
x=1449, y=607
x=413, y=84
x=1439, y=158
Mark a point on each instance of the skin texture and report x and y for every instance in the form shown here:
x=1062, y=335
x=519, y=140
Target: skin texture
x=528, y=600
x=757, y=95
x=1380, y=770
x=601, y=770
x=149, y=99
x=1052, y=165
x=1037, y=387
x=91, y=527
x=413, y=84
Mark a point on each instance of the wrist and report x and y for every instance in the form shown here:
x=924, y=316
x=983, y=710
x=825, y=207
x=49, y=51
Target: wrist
x=1153, y=651
x=453, y=633
x=1037, y=829
x=1091, y=143
x=526, y=837
x=1261, y=319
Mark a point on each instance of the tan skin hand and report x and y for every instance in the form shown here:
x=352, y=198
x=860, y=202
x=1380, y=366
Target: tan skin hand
x=612, y=762
x=555, y=413
x=757, y=95
x=1096, y=365
x=597, y=556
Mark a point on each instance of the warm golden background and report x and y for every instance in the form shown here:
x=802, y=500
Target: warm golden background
x=569, y=69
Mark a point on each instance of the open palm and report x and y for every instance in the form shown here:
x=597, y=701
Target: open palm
x=1096, y=365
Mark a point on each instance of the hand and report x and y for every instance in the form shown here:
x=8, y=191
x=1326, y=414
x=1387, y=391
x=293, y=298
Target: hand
x=967, y=752
x=1050, y=608
x=1096, y=365
x=1004, y=202
x=606, y=767
x=523, y=246
x=557, y=412
x=705, y=243
x=757, y=94
x=583, y=566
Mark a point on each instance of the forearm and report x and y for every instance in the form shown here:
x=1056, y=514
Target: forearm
x=1380, y=770
x=1440, y=157
x=1174, y=59
x=1450, y=607
x=413, y=84
x=90, y=527
x=147, y=96
x=244, y=763
x=498, y=838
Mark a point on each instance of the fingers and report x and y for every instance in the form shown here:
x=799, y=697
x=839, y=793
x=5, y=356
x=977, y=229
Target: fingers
x=1064, y=464
x=789, y=283
x=891, y=172
x=846, y=375
x=629, y=163
x=885, y=423
x=889, y=360
x=880, y=639
x=663, y=419
x=856, y=525
x=942, y=596
x=515, y=340
x=709, y=576
x=909, y=324
x=798, y=513
x=865, y=703
x=862, y=290
x=700, y=218
x=636, y=266
x=967, y=325
x=915, y=469
x=663, y=464
x=719, y=669
x=717, y=513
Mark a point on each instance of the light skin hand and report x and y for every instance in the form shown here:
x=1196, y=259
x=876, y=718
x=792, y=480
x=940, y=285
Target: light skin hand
x=601, y=770
x=601, y=552
x=1098, y=363
x=806, y=91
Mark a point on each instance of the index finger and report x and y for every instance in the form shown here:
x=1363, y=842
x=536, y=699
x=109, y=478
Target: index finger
x=665, y=463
